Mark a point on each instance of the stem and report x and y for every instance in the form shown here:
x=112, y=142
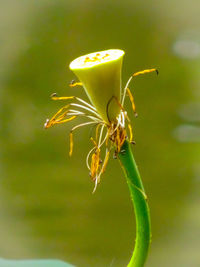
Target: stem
x=139, y=200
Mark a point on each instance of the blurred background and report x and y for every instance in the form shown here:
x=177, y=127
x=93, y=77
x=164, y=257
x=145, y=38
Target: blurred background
x=47, y=209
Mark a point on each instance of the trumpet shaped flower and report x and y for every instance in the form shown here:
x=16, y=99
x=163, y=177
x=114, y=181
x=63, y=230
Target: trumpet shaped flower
x=99, y=74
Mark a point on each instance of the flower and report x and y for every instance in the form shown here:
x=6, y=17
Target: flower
x=100, y=75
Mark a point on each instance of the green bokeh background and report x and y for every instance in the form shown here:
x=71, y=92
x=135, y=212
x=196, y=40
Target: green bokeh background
x=46, y=206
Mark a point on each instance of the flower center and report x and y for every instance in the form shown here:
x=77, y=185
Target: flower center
x=96, y=58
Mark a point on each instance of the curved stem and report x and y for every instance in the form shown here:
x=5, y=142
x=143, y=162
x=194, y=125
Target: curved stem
x=139, y=200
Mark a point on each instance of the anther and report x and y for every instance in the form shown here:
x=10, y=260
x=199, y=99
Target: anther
x=133, y=142
x=135, y=114
x=53, y=95
x=72, y=82
x=46, y=123
x=157, y=72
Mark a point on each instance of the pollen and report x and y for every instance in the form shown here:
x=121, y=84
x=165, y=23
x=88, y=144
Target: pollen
x=93, y=59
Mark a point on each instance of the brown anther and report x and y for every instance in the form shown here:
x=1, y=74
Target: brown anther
x=72, y=82
x=53, y=95
x=133, y=142
x=136, y=114
x=46, y=124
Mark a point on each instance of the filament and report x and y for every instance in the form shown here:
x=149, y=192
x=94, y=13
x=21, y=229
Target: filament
x=86, y=108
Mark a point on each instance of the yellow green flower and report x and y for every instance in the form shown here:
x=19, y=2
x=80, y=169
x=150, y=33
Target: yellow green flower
x=100, y=75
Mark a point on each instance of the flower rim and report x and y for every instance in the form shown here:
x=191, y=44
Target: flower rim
x=97, y=58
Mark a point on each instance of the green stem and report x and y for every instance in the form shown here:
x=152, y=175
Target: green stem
x=139, y=200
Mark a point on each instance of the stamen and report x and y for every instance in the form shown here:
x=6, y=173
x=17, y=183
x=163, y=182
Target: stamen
x=57, y=118
x=118, y=140
x=59, y=111
x=86, y=108
x=144, y=72
x=95, y=161
x=105, y=163
x=88, y=155
x=118, y=123
x=62, y=116
x=51, y=122
x=124, y=94
x=108, y=135
x=71, y=134
x=126, y=116
x=130, y=132
x=104, y=140
x=94, y=118
x=70, y=119
x=94, y=142
x=97, y=131
x=122, y=138
x=94, y=165
x=76, y=112
x=134, y=75
x=123, y=119
x=86, y=103
x=95, y=187
x=73, y=83
x=82, y=124
x=85, y=115
x=55, y=97
x=46, y=123
x=71, y=144
x=54, y=94
x=132, y=101
x=100, y=136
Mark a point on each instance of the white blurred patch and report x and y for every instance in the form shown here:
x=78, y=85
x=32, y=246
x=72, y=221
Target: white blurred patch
x=187, y=134
x=190, y=112
x=187, y=45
